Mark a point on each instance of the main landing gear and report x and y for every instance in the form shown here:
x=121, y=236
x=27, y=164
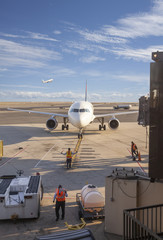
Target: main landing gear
x=102, y=125
x=65, y=125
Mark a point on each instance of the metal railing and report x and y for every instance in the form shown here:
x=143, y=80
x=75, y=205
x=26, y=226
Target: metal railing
x=143, y=223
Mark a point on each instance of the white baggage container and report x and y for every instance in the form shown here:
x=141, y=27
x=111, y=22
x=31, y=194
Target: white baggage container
x=92, y=198
x=20, y=197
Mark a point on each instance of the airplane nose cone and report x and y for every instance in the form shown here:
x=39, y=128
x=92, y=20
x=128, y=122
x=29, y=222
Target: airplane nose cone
x=80, y=120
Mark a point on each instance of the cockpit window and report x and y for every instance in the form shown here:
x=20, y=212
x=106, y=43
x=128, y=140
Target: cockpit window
x=74, y=110
x=84, y=110
x=80, y=110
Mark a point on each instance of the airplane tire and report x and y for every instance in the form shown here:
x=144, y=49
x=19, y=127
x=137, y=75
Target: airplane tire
x=63, y=127
x=99, y=127
x=67, y=127
x=80, y=136
x=104, y=127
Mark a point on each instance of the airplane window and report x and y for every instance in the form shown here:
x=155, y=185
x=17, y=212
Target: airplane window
x=76, y=110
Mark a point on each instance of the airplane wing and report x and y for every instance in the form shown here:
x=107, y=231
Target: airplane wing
x=114, y=114
x=52, y=114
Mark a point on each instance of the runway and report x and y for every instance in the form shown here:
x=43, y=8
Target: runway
x=30, y=147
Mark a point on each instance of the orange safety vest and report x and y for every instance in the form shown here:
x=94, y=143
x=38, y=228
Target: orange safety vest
x=69, y=154
x=60, y=197
x=134, y=147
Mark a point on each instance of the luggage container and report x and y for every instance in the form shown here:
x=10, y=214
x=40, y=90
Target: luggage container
x=20, y=197
x=90, y=202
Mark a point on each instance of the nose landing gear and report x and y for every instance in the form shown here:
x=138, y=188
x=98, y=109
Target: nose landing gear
x=80, y=134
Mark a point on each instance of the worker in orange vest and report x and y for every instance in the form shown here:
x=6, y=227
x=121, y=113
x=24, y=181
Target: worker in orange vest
x=60, y=196
x=134, y=150
x=69, y=155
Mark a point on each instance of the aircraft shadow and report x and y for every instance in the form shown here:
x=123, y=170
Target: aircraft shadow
x=16, y=134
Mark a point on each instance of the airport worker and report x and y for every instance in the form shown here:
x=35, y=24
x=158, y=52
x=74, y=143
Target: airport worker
x=60, y=196
x=69, y=155
x=134, y=149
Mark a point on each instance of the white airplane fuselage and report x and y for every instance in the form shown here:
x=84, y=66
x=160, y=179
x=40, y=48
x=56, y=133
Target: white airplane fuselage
x=47, y=81
x=80, y=114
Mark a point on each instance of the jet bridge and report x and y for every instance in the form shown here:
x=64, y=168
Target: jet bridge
x=20, y=197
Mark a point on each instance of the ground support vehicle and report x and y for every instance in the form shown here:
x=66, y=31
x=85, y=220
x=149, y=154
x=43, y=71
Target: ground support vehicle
x=88, y=213
x=20, y=197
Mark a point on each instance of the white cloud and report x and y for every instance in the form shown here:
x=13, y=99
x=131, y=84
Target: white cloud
x=137, y=54
x=67, y=96
x=40, y=36
x=32, y=35
x=64, y=72
x=69, y=51
x=13, y=54
x=3, y=69
x=21, y=86
x=120, y=95
x=36, y=96
x=139, y=25
x=100, y=37
x=10, y=35
x=57, y=32
x=92, y=73
x=114, y=39
x=132, y=78
x=91, y=59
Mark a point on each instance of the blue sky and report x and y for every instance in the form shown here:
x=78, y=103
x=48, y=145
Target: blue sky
x=106, y=42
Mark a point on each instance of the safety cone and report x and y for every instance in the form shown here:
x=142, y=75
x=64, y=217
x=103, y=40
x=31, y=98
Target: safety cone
x=139, y=156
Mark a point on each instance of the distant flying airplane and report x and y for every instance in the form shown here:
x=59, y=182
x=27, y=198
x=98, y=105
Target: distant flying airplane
x=47, y=81
x=80, y=115
x=122, y=106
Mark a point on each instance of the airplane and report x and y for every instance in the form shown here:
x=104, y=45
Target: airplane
x=47, y=81
x=122, y=106
x=80, y=115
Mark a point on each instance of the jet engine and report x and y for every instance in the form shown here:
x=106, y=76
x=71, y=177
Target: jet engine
x=114, y=123
x=52, y=123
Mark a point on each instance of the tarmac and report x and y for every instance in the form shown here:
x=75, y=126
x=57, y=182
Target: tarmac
x=30, y=147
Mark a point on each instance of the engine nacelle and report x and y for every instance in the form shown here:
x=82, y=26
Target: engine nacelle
x=114, y=123
x=52, y=123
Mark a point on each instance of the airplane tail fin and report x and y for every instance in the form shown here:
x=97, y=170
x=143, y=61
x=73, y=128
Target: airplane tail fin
x=86, y=92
